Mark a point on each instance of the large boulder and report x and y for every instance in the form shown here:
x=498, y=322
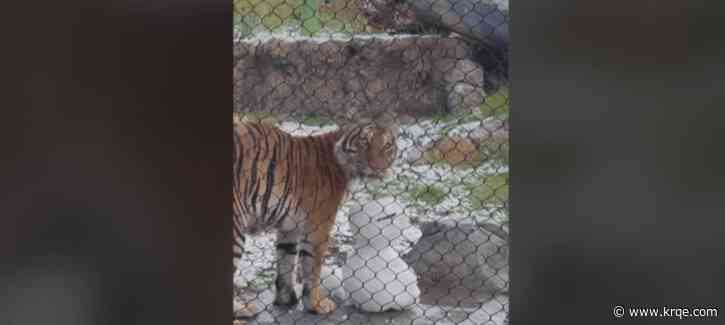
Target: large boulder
x=460, y=261
x=485, y=23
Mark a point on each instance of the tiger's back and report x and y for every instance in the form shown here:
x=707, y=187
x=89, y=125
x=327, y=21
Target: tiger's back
x=279, y=177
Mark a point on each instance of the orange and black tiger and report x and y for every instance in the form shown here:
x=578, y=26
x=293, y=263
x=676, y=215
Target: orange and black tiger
x=295, y=185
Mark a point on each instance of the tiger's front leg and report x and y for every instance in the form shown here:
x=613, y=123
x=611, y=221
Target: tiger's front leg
x=313, y=254
x=287, y=257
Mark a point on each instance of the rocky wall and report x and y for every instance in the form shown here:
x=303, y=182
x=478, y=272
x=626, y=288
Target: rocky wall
x=412, y=75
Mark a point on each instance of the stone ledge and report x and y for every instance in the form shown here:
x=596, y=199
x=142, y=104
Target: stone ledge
x=411, y=75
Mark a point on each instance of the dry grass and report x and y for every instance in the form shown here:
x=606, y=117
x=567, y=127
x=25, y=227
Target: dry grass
x=455, y=151
x=258, y=117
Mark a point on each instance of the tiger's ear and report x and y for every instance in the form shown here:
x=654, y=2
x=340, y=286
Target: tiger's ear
x=387, y=120
x=395, y=128
x=368, y=132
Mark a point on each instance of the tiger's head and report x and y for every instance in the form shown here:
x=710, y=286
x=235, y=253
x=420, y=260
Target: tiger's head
x=367, y=149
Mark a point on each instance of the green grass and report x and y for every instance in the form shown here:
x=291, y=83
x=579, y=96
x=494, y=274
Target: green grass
x=311, y=24
x=317, y=120
x=269, y=14
x=263, y=279
x=489, y=190
x=263, y=117
x=496, y=105
x=428, y=194
x=496, y=151
x=342, y=23
x=394, y=186
x=441, y=117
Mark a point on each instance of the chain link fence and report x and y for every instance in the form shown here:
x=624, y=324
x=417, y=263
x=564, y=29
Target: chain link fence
x=428, y=244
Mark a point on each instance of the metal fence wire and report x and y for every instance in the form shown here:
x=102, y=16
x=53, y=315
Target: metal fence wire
x=425, y=244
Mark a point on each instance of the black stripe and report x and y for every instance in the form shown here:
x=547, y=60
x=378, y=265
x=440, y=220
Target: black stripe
x=282, y=215
x=252, y=177
x=282, y=200
x=352, y=136
x=314, y=198
x=285, y=201
x=308, y=143
x=237, y=159
x=320, y=162
x=249, y=184
x=288, y=248
x=239, y=162
x=251, y=134
x=255, y=126
x=255, y=194
x=305, y=242
x=300, y=183
x=237, y=230
x=318, y=151
x=239, y=238
x=270, y=183
x=276, y=216
x=253, y=190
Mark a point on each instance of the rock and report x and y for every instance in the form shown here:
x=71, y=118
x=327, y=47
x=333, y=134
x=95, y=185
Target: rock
x=461, y=257
x=497, y=130
x=462, y=82
x=484, y=23
x=375, y=277
x=412, y=154
x=346, y=78
x=407, y=119
x=331, y=284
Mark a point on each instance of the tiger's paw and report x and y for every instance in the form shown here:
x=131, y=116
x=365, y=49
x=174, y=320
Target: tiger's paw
x=285, y=294
x=323, y=306
x=244, y=310
x=285, y=298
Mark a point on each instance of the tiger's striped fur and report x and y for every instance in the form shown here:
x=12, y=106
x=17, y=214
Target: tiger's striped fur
x=296, y=185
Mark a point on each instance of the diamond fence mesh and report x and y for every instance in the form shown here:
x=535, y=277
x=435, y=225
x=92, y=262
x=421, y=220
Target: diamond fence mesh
x=424, y=243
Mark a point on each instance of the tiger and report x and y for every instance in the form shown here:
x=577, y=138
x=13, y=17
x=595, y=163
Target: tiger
x=295, y=185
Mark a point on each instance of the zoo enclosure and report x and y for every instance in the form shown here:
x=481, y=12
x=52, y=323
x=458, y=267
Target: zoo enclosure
x=442, y=67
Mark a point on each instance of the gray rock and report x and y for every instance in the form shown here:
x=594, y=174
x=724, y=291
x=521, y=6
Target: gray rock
x=460, y=264
x=491, y=129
